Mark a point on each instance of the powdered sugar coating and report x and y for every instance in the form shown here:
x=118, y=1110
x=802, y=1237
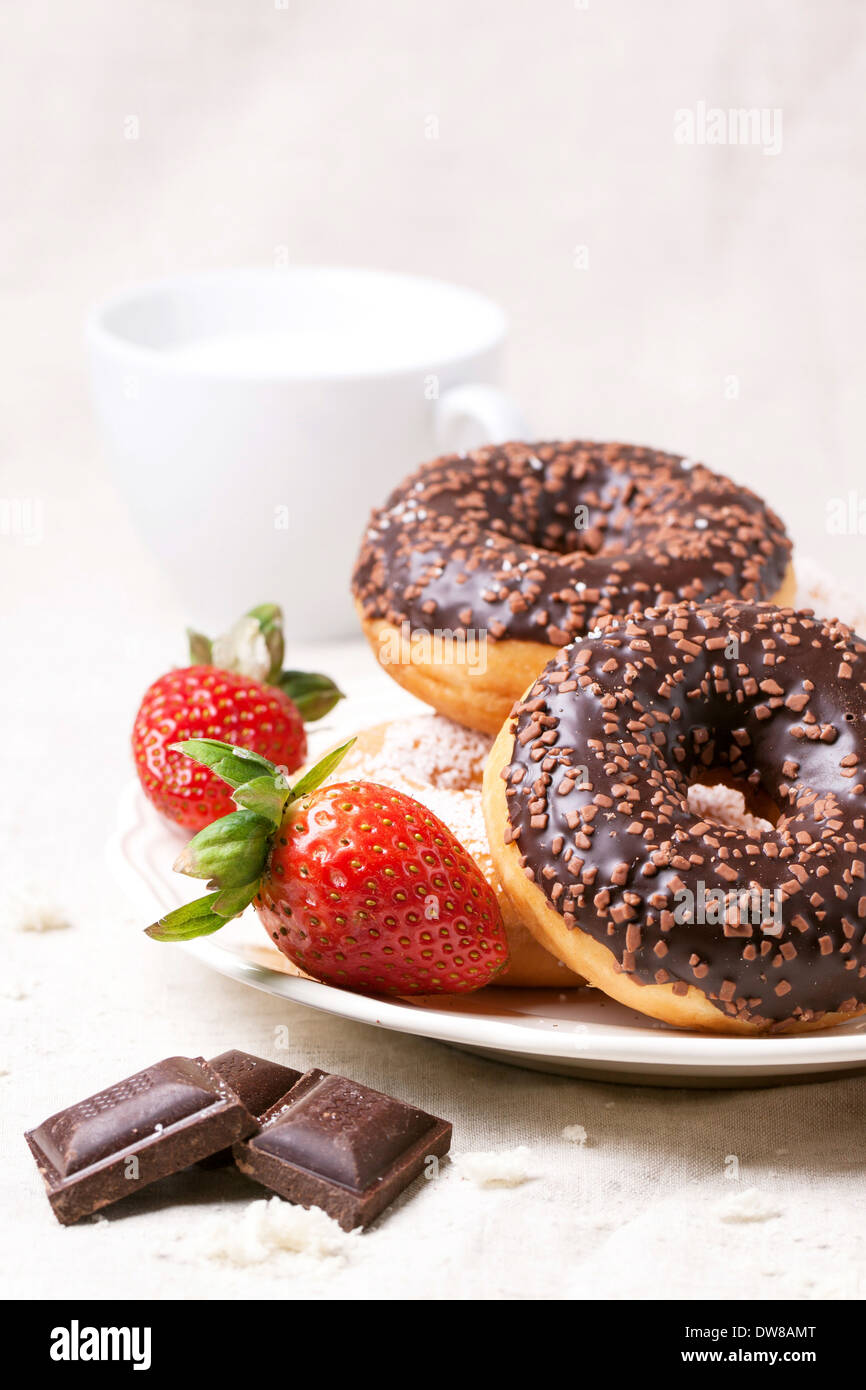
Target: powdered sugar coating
x=434, y=749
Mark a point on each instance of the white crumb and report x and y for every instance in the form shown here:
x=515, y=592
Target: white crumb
x=508, y=1168
x=271, y=1227
x=26, y=909
x=727, y=806
x=575, y=1134
x=746, y=1206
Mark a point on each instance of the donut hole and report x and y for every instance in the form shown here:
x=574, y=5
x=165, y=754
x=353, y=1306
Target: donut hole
x=715, y=795
x=585, y=522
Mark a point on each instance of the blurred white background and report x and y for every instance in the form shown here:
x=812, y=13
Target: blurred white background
x=705, y=299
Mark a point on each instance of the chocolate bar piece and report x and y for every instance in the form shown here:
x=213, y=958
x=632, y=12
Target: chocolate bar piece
x=153, y=1124
x=334, y=1144
x=258, y=1083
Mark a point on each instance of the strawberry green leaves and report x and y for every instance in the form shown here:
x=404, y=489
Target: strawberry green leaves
x=232, y=853
x=204, y=915
x=234, y=765
x=198, y=918
x=259, y=785
x=255, y=647
x=265, y=795
x=313, y=694
x=230, y=902
x=321, y=771
x=200, y=648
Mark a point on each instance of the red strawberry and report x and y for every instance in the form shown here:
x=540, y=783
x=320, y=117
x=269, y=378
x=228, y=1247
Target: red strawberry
x=204, y=702
x=358, y=884
x=367, y=888
x=236, y=691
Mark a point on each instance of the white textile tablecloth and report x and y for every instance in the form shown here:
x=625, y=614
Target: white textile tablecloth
x=658, y=1200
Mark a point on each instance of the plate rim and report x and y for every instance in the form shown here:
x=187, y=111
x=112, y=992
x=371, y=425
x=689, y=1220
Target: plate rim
x=651, y=1046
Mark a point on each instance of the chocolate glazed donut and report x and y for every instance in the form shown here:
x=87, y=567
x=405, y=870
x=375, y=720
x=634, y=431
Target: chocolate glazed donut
x=585, y=796
x=480, y=566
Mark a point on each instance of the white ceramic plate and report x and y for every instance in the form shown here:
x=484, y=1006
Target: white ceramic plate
x=577, y=1031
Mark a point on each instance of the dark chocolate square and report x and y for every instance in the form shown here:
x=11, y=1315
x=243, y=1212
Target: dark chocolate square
x=144, y=1128
x=257, y=1082
x=341, y=1146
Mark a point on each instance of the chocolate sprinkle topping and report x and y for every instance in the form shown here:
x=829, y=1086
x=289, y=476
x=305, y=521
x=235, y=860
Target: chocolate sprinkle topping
x=538, y=541
x=660, y=700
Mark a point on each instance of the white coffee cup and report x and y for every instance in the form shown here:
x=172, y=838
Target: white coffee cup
x=254, y=417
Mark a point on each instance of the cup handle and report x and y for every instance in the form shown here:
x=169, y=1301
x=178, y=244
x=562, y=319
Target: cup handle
x=469, y=416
